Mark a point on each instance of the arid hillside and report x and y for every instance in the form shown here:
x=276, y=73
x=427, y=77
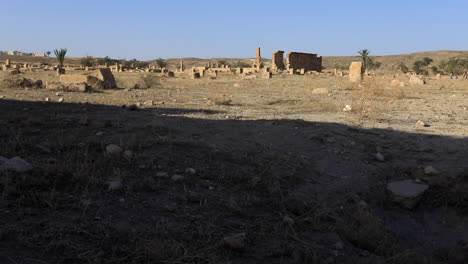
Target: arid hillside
x=389, y=62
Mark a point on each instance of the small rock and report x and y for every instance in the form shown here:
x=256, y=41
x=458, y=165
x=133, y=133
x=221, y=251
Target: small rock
x=113, y=149
x=138, y=104
x=128, y=154
x=47, y=99
x=61, y=99
x=16, y=164
x=190, y=171
x=235, y=242
x=149, y=102
x=420, y=124
x=177, y=177
x=288, y=220
x=347, y=108
x=320, y=91
x=429, y=170
x=132, y=107
x=115, y=184
x=406, y=193
x=162, y=174
x=338, y=245
x=2, y=160
x=379, y=157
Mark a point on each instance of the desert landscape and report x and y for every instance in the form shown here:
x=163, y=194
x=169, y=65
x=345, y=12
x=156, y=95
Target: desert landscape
x=242, y=132
x=203, y=164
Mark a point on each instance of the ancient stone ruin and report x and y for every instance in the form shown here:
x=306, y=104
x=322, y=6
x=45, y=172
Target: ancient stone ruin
x=355, y=72
x=306, y=61
x=277, y=61
x=258, y=59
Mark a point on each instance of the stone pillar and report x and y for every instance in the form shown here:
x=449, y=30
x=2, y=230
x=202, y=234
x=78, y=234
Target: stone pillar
x=258, y=59
x=355, y=72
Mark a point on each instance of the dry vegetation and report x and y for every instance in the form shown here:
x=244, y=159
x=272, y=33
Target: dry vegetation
x=282, y=172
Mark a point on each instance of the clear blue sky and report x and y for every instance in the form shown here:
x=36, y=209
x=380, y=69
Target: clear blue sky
x=145, y=29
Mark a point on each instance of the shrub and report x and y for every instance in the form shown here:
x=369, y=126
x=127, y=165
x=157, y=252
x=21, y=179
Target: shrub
x=403, y=68
x=150, y=80
x=454, y=65
x=87, y=61
x=161, y=63
x=420, y=67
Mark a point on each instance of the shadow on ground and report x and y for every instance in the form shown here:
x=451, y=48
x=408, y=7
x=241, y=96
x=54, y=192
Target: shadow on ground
x=264, y=191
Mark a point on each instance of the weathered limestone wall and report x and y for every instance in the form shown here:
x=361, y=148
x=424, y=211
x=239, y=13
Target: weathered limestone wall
x=277, y=61
x=306, y=61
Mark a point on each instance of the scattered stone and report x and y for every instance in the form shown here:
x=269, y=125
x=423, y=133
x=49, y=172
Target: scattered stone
x=379, y=157
x=288, y=220
x=395, y=83
x=406, y=193
x=177, y=177
x=235, y=242
x=420, y=124
x=128, y=154
x=162, y=174
x=347, y=108
x=47, y=99
x=115, y=184
x=429, y=170
x=61, y=99
x=415, y=80
x=132, y=107
x=149, y=103
x=190, y=171
x=15, y=164
x=338, y=245
x=320, y=91
x=113, y=149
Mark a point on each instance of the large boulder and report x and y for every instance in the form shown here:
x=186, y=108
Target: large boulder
x=355, y=72
x=105, y=75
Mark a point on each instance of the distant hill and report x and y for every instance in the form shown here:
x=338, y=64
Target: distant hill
x=389, y=62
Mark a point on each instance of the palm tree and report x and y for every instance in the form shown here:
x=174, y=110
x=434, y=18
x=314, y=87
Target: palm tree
x=365, y=57
x=60, y=54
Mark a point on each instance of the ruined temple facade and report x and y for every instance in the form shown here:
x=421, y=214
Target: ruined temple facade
x=277, y=61
x=306, y=61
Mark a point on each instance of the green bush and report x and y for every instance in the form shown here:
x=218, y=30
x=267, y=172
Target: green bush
x=403, y=68
x=87, y=61
x=454, y=65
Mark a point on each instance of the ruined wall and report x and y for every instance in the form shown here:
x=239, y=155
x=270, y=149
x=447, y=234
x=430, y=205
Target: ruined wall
x=277, y=61
x=307, y=61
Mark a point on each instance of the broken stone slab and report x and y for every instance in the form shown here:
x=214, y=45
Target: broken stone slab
x=16, y=164
x=406, y=193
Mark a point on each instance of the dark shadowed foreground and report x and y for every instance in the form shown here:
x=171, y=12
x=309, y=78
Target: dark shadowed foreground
x=263, y=191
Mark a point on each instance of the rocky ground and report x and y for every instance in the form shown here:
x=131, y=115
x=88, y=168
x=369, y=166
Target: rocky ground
x=235, y=171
